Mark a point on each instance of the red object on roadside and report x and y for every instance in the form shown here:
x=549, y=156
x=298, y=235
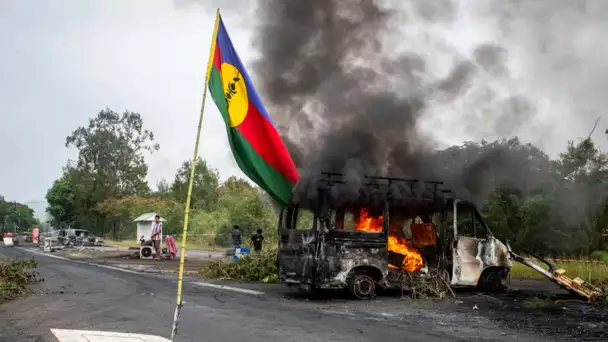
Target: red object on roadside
x=171, y=246
x=35, y=234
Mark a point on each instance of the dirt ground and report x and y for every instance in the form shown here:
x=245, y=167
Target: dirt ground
x=124, y=258
x=531, y=305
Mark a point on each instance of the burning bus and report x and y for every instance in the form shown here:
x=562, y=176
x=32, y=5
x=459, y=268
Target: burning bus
x=388, y=227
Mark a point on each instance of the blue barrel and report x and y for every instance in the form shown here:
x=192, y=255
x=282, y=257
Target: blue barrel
x=239, y=253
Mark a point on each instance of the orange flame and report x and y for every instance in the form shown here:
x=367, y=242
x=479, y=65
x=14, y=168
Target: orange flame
x=412, y=261
x=367, y=223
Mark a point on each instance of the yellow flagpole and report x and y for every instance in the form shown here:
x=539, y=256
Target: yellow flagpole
x=180, y=277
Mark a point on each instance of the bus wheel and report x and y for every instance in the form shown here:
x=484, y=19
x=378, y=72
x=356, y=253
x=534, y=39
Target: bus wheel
x=362, y=286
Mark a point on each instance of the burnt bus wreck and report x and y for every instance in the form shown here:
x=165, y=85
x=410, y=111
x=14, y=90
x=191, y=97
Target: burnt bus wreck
x=391, y=226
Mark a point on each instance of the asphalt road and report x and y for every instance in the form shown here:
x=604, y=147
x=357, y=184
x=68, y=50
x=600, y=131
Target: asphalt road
x=81, y=296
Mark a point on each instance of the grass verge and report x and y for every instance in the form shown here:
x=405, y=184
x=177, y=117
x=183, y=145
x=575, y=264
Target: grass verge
x=593, y=271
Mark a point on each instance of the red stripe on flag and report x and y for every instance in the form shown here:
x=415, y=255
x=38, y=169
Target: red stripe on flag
x=265, y=140
x=217, y=57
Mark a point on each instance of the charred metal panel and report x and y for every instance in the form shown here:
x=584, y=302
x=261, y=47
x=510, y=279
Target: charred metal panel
x=473, y=256
x=350, y=251
x=467, y=262
x=494, y=254
x=296, y=256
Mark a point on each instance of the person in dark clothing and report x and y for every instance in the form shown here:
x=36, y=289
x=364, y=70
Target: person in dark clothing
x=236, y=237
x=257, y=240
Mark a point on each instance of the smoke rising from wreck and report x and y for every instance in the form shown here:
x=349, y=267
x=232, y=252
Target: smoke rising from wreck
x=346, y=99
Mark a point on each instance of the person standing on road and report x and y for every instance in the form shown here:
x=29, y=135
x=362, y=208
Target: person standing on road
x=257, y=239
x=236, y=237
x=157, y=233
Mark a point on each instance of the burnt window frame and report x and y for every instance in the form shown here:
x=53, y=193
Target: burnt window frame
x=293, y=213
x=476, y=219
x=333, y=210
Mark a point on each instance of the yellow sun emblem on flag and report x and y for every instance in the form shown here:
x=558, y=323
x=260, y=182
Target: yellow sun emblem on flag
x=235, y=92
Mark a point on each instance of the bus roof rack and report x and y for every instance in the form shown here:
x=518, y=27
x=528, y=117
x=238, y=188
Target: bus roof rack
x=331, y=178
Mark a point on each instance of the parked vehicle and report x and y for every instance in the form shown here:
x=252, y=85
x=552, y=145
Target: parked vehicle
x=74, y=237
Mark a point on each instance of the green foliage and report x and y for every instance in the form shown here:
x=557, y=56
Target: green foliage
x=238, y=203
x=261, y=267
x=204, y=188
x=15, y=277
x=62, y=200
x=599, y=255
x=11, y=219
x=242, y=202
x=214, y=222
x=120, y=213
x=111, y=148
x=110, y=165
x=551, y=207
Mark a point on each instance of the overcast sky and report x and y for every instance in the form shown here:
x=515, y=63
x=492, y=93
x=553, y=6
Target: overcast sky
x=63, y=61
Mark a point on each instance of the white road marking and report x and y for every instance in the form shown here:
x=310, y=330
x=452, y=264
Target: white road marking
x=65, y=335
x=82, y=262
x=204, y=284
x=229, y=288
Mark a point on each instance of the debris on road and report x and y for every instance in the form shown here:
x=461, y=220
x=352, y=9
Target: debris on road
x=260, y=267
x=15, y=278
x=576, y=285
x=431, y=284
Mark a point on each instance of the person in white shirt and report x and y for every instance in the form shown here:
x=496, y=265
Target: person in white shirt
x=157, y=233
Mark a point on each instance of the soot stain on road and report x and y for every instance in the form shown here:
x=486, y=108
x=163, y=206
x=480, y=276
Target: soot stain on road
x=545, y=312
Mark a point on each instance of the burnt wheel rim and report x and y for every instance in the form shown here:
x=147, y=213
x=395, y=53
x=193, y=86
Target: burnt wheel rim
x=363, y=287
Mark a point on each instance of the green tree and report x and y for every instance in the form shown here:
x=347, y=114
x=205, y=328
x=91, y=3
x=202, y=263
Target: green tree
x=111, y=149
x=16, y=219
x=245, y=207
x=110, y=164
x=585, y=170
x=238, y=203
x=120, y=213
x=61, y=198
x=204, y=189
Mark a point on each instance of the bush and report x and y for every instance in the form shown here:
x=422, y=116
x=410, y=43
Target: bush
x=599, y=255
x=261, y=267
x=15, y=276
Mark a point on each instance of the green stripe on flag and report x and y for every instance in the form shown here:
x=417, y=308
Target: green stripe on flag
x=250, y=162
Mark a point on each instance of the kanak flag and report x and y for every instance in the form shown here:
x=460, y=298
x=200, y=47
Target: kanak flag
x=256, y=145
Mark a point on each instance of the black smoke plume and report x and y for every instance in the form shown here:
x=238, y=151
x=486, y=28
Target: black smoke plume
x=347, y=100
